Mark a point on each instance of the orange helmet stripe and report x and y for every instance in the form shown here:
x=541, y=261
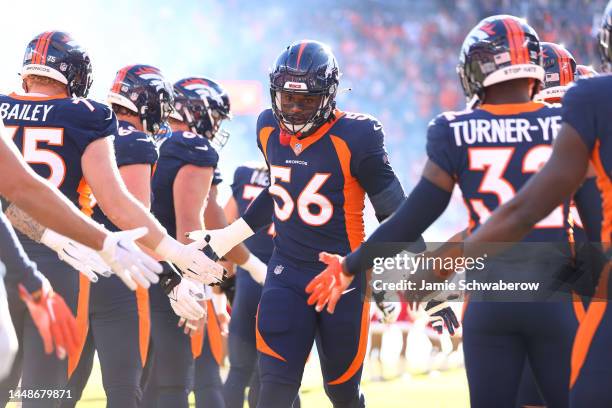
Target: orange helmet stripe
x=299, y=57
x=39, y=46
x=46, y=47
x=119, y=78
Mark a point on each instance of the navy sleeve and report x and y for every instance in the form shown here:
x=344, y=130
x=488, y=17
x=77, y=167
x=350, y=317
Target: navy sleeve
x=578, y=111
x=374, y=172
x=422, y=207
x=191, y=149
x=439, y=148
x=588, y=202
x=239, y=182
x=135, y=148
x=19, y=268
x=91, y=121
x=259, y=214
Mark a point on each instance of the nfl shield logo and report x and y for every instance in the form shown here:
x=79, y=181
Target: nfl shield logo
x=278, y=269
x=297, y=149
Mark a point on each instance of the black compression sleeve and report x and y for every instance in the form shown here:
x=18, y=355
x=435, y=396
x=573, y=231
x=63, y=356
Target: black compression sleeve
x=259, y=213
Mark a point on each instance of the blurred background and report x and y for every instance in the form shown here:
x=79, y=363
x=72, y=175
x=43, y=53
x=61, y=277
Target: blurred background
x=398, y=57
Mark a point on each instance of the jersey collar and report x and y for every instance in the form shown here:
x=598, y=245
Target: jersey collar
x=299, y=145
x=512, y=108
x=32, y=96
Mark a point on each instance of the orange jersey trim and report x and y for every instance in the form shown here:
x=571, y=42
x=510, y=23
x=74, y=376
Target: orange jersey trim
x=308, y=141
x=361, y=349
x=578, y=307
x=215, y=339
x=605, y=188
x=264, y=136
x=144, y=322
x=82, y=320
x=589, y=325
x=197, y=342
x=85, y=195
x=354, y=196
x=512, y=108
x=28, y=97
x=261, y=344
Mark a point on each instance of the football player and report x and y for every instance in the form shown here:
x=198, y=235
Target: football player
x=586, y=133
x=322, y=162
x=49, y=313
x=181, y=186
x=249, y=181
x=500, y=66
x=65, y=138
x=137, y=97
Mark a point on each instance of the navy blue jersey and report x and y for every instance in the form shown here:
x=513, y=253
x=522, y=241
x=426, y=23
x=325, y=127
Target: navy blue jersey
x=319, y=182
x=53, y=134
x=249, y=182
x=178, y=150
x=586, y=107
x=131, y=147
x=492, y=152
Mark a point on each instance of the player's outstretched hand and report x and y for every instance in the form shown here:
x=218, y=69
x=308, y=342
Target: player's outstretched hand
x=222, y=240
x=195, y=260
x=128, y=262
x=54, y=321
x=185, y=300
x=192, y=327
x=440, y=315
x=82, y=258
x=327, y=287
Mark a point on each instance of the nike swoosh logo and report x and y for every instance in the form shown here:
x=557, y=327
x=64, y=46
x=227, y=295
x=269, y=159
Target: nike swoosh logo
x=143, y=140
x=202, y=148
x=377, y=126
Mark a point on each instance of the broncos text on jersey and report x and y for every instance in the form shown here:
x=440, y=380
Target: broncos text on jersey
x=318, y=183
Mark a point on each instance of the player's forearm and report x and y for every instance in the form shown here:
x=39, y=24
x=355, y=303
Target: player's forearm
x=128, y=213
x=422, y=207
x=37, y=205
x=214, y=218
x=19, y=268
x=259, y=214
x=588, y=202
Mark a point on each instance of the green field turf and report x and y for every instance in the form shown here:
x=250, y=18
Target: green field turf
x=434, y=390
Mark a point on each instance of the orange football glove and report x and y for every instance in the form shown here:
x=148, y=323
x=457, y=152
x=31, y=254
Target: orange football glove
x=329, y=285
x=54, y=321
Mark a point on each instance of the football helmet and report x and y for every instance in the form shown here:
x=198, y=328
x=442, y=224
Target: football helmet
x=55, y=55
x=203, y=105
x=498, y=49
x=560, y=68
x=143, y=90
x=303, y=85
x=584, y=71
x=605, y=37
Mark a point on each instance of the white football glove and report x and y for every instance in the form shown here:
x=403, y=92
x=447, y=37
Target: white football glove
x=128, y=262
x=256, y=269
x=191, y=260
x=80, y=257
x=223, y=240
x=185, y=298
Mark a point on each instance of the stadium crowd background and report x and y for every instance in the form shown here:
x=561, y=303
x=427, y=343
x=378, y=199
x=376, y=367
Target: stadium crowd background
x=398, y=57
